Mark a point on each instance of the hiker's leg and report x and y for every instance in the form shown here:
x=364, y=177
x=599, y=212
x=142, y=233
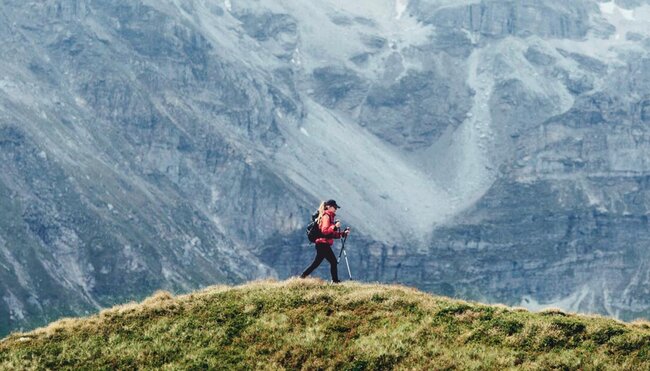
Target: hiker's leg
x=317, y=260
x=329, y=255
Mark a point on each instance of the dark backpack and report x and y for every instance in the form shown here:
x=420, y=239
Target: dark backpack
x=313, y=230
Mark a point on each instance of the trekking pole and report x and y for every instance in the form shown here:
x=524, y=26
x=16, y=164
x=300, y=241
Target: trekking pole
x=345, y=255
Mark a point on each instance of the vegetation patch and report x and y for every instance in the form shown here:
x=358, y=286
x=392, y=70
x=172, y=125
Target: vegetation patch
x=309, y=324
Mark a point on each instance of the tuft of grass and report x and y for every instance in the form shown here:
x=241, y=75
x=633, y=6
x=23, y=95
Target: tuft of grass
x=309, y=324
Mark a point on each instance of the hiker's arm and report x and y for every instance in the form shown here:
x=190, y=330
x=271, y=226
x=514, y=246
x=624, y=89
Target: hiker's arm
x=328, y=228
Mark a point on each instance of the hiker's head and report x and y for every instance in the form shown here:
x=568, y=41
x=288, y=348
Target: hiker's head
x=332, y=205
x=326, y=205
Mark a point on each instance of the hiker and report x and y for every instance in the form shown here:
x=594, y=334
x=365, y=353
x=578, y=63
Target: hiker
x=330, y=229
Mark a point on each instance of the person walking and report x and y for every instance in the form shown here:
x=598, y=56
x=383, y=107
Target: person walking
x=330, y=229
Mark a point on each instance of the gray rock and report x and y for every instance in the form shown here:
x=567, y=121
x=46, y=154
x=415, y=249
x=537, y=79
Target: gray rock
x=374, y=42
x=454, y=42
x=336, y=87
x=633, y=36
x=414, y=111
x=586, y=62
x=538, y=57
x=498, y=19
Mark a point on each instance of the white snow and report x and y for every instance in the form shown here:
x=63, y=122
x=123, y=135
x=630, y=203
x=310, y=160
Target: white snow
x=80, y=101
x=331, y=43
x=593, y=197
x=400, y=7
x=609, y=50
x=228, y=5
x=612, y=8
x=635, y=20
x=295, y=58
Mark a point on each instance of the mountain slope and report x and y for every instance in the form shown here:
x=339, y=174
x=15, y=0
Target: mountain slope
x=310, y=324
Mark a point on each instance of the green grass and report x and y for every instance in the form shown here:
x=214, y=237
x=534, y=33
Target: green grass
x=308, y=324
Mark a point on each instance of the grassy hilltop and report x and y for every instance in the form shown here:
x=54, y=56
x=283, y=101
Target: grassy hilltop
x=308, y=324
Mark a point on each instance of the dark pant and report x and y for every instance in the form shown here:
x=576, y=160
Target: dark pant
x=323, y=251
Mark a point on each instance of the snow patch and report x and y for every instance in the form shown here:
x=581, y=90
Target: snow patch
x=304, y=131
x=400, y=7
x=228, y=5
x=625, y=21
x=613, y=9
x=295, y=58
x=80, y=101
x=332, y=42
x=592, y=198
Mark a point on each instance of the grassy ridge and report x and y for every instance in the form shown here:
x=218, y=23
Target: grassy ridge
x=313, y=325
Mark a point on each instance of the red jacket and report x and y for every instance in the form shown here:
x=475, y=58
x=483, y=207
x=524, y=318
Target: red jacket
x=327, y=228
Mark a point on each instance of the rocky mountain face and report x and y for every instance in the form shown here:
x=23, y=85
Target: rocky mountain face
x=490, y=150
